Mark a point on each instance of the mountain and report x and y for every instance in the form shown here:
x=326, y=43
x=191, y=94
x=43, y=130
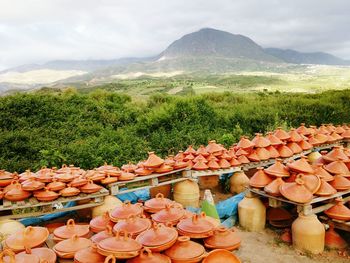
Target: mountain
x=215, y=43
x=295, y=57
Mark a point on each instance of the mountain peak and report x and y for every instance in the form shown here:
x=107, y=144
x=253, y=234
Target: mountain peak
x=210, y=42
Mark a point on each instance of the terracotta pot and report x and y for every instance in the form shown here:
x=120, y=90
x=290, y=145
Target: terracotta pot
x=277, y=169
x=202, y=151
x=273, y=188
x=273, y=139
x=185, y=250
x=64, y=177
x=125, y=211
x=109, y=180
x=170, y=160
x=234, y=162
x=35, y=236
x=284, y=151
x=156, y=204
x=158, y=238
x=142, y=171
x=245, y=143
x=296, y=191
x=133, y=225
x=32, y=185
x=337, y=167
x=8, y=256
x=120, y=247
x=5, y=178
x=225, y=156
x=302, y=129
x=339, y=211
x=340, y=183
x=214, y=148
x=242, y=159
x=71, y=229
x=153, y=161
x=17, y=193
x=333, y=240
x=67, y=248
x=56, y=185
x=90, y=188
x=213, y=165
x=224, y=164
x=294, y=136
x=321, y=138
x=196, y=227
x=188, y=157
x=100, y=223
x=322, y=173
x=88, y=255
x=164, y=168
x=170, y=214
x=190, y=150
x=312, y=182
x=325, y=189
x=44, y=254
x=102, y=235
x=46, y=195
x=11, y=186
x=95, y=176
x=281, y=134
x=221, y=255
x=69, y=191
x=301, y=166
x=260, y=179
x=79, y=181
x=223, y=238
x=313, y=141
x=337, y=154
x=179, y=165
x=294, y=147
x=260, y=141
x=126, y=176
x=263, y=154
x=253, y=156
x=146, y=256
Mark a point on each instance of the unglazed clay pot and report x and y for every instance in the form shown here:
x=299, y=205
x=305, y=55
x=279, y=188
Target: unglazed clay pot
x=69, y=247
x=170, y=214
x=100, y=223
x=223, y=238
x=146, y=256
x=125, y=211
x=88, y=255
x=153, y=161
x=71, y=229
x=339, y=211
x=260, y=179
x=196, y=227
x=277, y=169
x=133, y=225
x=296, y=191
x=221, y=255
x=156, y=204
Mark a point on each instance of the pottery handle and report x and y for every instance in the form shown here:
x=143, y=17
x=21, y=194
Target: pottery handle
x=145, y=253
x=127, y=203
x=8, y=252
x=70, y=222
x=109, y=229
x=110, y=259
x=159, y=196
x=203, y=214
x=195, y=218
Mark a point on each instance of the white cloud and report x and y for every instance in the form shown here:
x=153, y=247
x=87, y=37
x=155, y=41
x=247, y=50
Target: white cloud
x=33, y=31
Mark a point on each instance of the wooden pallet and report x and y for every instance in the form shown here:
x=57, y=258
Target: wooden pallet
x=312, y=207
x=51, y=207
x=149, y=181
x=327, y=146
x=196, y=174
x=342, y=225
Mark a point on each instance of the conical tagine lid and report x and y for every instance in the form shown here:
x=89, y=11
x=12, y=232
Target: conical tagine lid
x=273, y=139
x=301, y=166
x=339, y=129
x=273, y=188
x=284, y=151
x=245, y=143
x=260, y=141
x=302, y=129
x=312, y=182
x=190, y=150
x=340, y=183
x=338, y=211
x=337, y=167
x=322, y=173
x=263, y=154
x=305, y=145
x=213, y=147
x=337, y=154
x=294, y=136
x=253, y=156
x=294, y=147
x=201, y=150
x=296, y=191
x=200, y=165
x=260, y=179
x=281, y=134
x=243, y=159
x=273, y=152
x=277, y=169
x=346, y=134
x=224, y=164
x=153, y=161
x=325, y=189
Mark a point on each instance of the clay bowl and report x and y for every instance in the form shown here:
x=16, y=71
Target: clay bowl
x=220, y=256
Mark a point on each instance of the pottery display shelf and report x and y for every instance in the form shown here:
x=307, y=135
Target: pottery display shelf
x=51, y=207
x=342, y=225
x=328, y=146
x=317, y=205
x=149, y=181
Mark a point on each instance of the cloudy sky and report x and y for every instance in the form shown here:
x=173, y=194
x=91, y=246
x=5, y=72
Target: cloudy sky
x=35, y=31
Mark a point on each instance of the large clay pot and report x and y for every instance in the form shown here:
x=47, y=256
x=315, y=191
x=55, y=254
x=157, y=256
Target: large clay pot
x=308, y=234
x=187, y=193
x=8, y=227
x=252, y=213
x=238, y=182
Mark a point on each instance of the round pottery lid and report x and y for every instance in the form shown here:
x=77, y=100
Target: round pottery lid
x=333, y=239
x=325, y=189
x=147, y=256
x=197, y=224
x=296, y=191
x=312, y=182
x=305, y=145
x=213, y=147
x=337, y=154
x=273, y=139
x=102, y=235
x=89, y=255
x=72, y=244
x=126, y=210
x=46, y=194
x=294, y=147
x=153, y=161
x=222, y=238
x=339, y=211
x=169, y=214
x=302, y=129
x=260, y=141
x=340, y=182
x=17, y=193
x=277, y=169
x=321, y=138
x=284, y=151
x=104, y=167
x=90, y=186
x=32, y=185
x=43, y=253
x=337, y=167
x=260, y=178
x=129, y=167
x=164, y=168
x=184, y=249
x=273, y=188
x=263, y=153
x=281, y=134
x=133, y=225
x=71, y=229
x=34, y=235
x=245, y=143
x=56, y=185
x=100, y=222
x=157, y=203
x=69, y=190
x=301, y=166
x=119, y=243
x=157, y=235
x=8, y=256
x=221, y=255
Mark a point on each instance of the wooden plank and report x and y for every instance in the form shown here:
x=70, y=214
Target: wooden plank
x=196, y=174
